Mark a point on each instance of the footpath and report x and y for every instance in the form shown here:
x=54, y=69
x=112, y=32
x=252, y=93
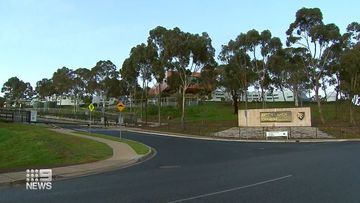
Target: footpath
x=123, y=156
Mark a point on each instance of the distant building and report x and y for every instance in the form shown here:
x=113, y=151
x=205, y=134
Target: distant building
x=60, y=101
x=331, y=96
x=194, y=87
x=65, y=101
x=220, y=94
x=99, y=100
x=275, y=96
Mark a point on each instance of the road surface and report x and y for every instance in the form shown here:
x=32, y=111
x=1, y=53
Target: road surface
x=188, y=170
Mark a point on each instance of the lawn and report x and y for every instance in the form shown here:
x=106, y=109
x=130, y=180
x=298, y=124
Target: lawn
x=31, y=146
x=209, y=111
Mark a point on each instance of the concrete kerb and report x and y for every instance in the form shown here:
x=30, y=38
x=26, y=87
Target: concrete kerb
x=80, y=170
x=188, y=136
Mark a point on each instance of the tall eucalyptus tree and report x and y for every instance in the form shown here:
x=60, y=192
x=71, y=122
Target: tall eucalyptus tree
x=309, y=31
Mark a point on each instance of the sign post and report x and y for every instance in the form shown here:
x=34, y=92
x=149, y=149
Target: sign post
x=33, y=116
x=121, y=107
x=91, y=108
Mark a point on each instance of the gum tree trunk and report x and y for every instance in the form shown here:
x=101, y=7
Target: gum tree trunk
x=319, y=104
x=159, y=106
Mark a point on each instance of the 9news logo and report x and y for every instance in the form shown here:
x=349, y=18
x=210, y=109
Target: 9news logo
x=38, y=179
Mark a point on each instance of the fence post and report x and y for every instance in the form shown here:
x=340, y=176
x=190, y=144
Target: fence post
x=263, y=132
x=290, y=133
x=340, y=132
x=29, y=116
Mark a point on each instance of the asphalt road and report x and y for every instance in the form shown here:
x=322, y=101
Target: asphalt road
x=188, y=170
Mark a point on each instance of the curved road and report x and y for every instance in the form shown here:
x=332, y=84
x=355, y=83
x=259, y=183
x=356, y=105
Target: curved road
x=188, y=170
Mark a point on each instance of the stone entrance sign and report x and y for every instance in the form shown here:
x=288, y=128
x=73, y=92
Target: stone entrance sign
x=275, y=117
x=280, y=116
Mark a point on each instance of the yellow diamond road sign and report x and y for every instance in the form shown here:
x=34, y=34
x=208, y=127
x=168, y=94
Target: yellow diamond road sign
x=120, y=106
x=91, y=107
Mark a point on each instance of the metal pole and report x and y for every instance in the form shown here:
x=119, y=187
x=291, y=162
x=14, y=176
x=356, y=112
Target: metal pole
x=120, y=125
x=103, y=107
x=289, y=133
x=90, y=124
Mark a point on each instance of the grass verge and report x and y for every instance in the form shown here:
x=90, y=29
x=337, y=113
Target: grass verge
x=138, y=147
x=23, y=146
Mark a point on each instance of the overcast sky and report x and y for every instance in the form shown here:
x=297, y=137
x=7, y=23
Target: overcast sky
x=39, y=36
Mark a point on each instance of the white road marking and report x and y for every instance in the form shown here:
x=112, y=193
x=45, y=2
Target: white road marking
x=169, y=166
x=232, y=189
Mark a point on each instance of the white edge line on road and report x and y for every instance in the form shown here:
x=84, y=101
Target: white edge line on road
x=232, y=189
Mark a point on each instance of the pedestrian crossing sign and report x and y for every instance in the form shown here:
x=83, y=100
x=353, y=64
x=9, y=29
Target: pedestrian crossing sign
x=91, y=107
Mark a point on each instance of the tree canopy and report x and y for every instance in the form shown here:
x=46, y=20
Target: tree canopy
x=316, y=56
x=15, y=89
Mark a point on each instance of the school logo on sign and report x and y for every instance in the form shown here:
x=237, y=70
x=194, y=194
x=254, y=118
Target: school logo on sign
x=301, y=115
x=356, y=100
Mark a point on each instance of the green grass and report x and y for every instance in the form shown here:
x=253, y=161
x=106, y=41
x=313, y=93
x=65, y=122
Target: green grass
x=138, y=147
x=210, y=111
x=24, y=146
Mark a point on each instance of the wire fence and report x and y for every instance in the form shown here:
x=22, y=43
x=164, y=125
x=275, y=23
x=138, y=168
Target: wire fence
x=97, y=117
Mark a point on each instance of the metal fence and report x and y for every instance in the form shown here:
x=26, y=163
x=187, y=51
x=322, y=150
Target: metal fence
x=14, y=115
x=97, y=117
